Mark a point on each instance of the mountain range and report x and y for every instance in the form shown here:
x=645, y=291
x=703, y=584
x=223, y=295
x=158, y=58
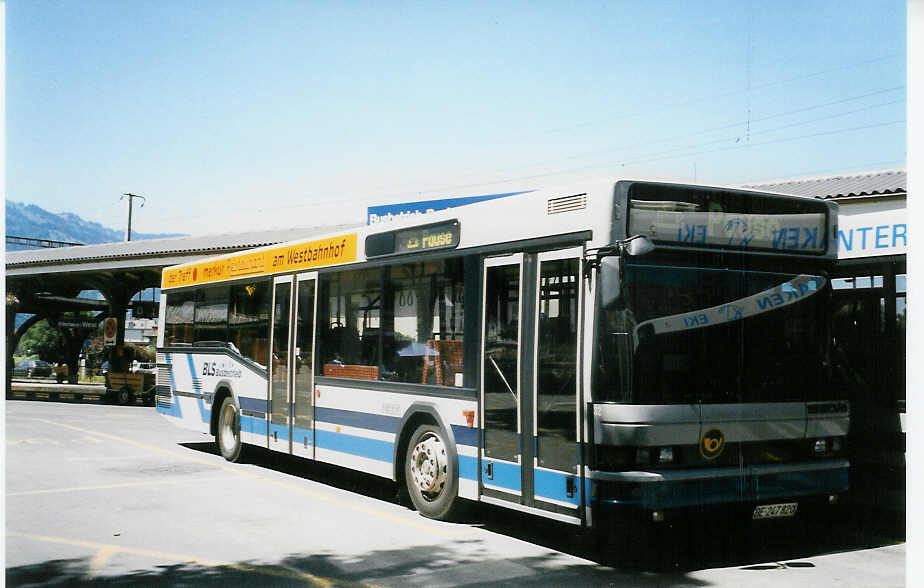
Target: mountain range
x=29, y=220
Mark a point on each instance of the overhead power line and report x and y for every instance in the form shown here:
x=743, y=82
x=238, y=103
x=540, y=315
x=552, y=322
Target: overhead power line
x=638, y=161
x=712, y=129
x=746, y=89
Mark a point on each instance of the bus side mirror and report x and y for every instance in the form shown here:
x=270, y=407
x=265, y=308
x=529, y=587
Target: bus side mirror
x=638, y=245
x=610, y=267
x=610, y=281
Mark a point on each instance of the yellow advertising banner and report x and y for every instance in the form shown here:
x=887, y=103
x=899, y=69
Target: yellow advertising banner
x=323, y=252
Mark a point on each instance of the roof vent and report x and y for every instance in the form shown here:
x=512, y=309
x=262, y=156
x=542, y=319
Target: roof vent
x=567, y=203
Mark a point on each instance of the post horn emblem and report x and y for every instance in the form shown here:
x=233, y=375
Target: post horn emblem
x=712, y=444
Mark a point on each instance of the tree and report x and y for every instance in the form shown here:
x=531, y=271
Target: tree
x=44, y=341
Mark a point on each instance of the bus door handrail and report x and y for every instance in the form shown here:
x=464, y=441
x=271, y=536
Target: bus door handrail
x=504, y=379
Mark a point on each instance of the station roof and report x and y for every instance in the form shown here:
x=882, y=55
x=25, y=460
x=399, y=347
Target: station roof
x=49, y=280
x=149, y=252
x=872, y=183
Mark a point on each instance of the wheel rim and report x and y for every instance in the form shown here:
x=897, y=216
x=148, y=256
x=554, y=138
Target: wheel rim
x=228, y=434
x=429, y=466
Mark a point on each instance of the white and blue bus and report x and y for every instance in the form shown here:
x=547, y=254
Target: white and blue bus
x=630, y=346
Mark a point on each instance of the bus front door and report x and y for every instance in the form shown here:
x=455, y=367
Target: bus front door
x=530, y=384
x=501, y=451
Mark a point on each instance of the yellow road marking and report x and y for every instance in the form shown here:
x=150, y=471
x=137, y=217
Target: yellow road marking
x=244, y=473
x=99, y=561
x=109, y=486
x=65, y=395
x=104, y=551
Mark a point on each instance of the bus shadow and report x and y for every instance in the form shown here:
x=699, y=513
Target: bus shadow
x=700, y=541
x=473, y=564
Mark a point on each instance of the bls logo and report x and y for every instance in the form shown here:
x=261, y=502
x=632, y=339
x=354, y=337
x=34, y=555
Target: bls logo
x=209, y=368
x=713, y=444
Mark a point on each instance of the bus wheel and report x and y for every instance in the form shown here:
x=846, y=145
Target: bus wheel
x=229, y=430
x=125, y=396
x=429, y=474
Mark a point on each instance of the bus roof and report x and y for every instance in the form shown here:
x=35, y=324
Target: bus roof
x=585, y=207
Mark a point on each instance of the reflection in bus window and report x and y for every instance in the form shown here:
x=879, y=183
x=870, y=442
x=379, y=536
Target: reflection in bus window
x=179, y=316
x=556, y=364
x=423, y=324
x=248, y=319
x=748, y=356
x=350, y=324
x=212, y=315
x=501, y=361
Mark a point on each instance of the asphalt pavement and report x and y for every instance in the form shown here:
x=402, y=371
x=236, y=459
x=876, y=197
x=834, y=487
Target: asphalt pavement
x=115, y=495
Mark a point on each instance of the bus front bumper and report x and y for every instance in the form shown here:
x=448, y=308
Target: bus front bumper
x=666, y=489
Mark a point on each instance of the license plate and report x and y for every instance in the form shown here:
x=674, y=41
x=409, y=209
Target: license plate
x=775, y=511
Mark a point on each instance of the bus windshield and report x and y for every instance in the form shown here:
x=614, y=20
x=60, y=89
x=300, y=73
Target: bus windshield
x=687, y=335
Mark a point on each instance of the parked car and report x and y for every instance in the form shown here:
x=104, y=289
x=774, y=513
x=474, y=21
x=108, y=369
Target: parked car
x=144, y=366
x=31, y=368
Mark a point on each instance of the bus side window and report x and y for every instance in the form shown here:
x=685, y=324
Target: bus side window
x=349, y=310
x=248, y=319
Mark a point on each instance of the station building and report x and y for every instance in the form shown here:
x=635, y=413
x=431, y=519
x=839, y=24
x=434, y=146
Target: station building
x=870, y=280
x=868, y=326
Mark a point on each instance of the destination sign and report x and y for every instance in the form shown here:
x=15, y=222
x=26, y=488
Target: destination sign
x=803, y=232
x=414, y=240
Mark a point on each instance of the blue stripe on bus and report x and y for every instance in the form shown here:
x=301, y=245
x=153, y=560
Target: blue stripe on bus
x=386, y=424
x=172, y=411
x=350, y=444
x=553, y=485
x=252, y=404
x=280, y=431
x=506, y=475
x=204, y=412
x=465, y=435
x=468, y=467
x=757, y=487
x=300, y=435
x=197, y=385
x=255, y=425
x=360, y=420
x=358, y=446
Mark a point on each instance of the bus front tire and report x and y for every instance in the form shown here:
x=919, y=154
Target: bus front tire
x=229, y=430
x=429, y=474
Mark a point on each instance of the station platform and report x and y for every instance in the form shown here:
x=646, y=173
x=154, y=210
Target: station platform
x=52, y=391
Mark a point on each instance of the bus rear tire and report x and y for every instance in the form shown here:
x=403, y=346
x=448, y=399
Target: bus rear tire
x=430, y=475
x=228, y=435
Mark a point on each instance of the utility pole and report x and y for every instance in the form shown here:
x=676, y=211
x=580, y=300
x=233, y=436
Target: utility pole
x=128, y=230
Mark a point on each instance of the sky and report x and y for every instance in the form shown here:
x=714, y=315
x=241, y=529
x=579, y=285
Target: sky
x=231, y=116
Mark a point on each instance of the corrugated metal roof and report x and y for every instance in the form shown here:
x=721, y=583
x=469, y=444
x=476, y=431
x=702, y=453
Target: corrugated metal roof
x=840, y=186
x=206, y=244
